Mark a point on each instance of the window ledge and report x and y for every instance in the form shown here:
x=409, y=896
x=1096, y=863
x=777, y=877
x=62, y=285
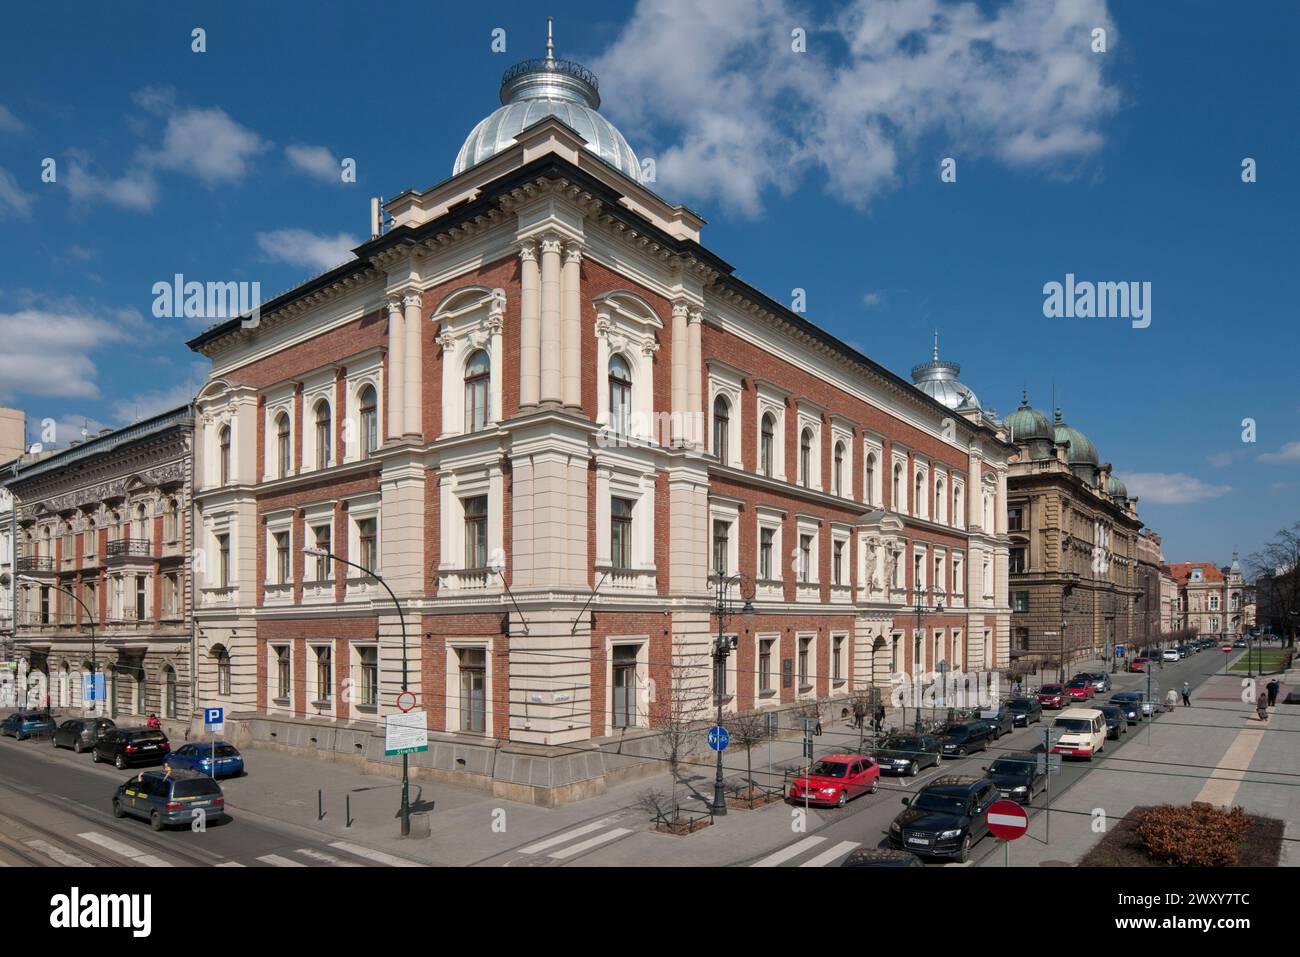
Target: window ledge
x=282, y=702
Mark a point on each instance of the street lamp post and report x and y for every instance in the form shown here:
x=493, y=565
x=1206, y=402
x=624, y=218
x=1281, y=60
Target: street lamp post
x=921, y=610
x=721, y=649
x=401, y=617
x=90, y=618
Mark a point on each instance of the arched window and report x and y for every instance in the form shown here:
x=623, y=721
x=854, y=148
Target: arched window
x=869, y=490
x=369, y=401
x=896, y=491
x=223, y=455
x=222, y=658
x=171, y=525
x=938, y=500
x=324, y=435
x=115, y=526
x=721, y=427
x=956, y=505
x=767, y=443
x=918, y=494
x=283, y=452
x=838, y=465
x=805, y=458
x=141, y=530
x=620, y=395
x=478, y=383
x=169, y=691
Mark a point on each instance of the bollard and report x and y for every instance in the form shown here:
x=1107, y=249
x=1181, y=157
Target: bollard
x=347, y=814
x=320, y=804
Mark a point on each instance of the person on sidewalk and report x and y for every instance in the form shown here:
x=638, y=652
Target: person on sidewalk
x=153, y=722
x=1171, y=700
x=1261, y=706
x=1187, y=695
x=1273, y=688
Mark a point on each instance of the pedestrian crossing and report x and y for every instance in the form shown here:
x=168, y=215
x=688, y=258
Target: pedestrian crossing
x=115, y=851
x=578, y=840
x=822, y=856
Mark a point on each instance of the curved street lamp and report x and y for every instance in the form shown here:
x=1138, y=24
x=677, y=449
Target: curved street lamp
x=721, y=649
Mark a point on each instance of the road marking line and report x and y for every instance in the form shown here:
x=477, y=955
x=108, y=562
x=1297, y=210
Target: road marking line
x=566, y=836
x=1222, y=787
x=58, y=854
x=326, y=858
x=123, y=850
x=839, y=850
x=275, y=860
x=377, y=856
x=231, y=864
x=794, y=850
x=590, y=843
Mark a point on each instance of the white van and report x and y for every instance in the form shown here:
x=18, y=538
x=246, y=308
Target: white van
x=1083, y=732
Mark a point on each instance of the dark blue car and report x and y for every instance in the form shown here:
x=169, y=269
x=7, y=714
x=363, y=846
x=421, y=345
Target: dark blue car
x=198, y=756
x=24, y=724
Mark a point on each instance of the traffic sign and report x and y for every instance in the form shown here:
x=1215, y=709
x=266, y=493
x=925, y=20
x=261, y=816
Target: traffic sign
x=1007, y=820
x=405, y=701
x=213, y=715
x=92, y=687
x=719, y=738
x=406, y=733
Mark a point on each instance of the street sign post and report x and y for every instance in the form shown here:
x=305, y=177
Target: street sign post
x=1007, y=820
x=405, y=733
x=215, y=721
x=718, y=738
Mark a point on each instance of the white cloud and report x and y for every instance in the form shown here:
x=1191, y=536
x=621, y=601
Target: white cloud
x=316, y=161
x=135, y=190
x=1287, y=453
x=8, y=122
x=872, y=299
x=299, y=247
x=743, y=115
x=48, y=346
x=1220, y=459
x=1171, y=488
x=13, y=201
x=208, y=144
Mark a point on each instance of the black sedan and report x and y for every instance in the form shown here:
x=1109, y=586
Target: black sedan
x=1026, y=711
x=81, y=734
x=960, y=739
x=1000, y=721
x=1116, y=720
x=1019, y=775
x=907, y=754
x=124, y=747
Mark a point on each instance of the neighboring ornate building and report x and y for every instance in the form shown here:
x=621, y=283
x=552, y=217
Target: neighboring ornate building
x=1169, y=620
x=1076, y=577
x=1150, y=563
x=106, y=519
x=1210, y=600
x=553, y=420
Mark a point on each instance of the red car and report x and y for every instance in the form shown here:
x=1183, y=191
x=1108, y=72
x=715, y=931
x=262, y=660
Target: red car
x=1139, y=664
x=836, y=778
x=1053, y=696
x=1080, y=689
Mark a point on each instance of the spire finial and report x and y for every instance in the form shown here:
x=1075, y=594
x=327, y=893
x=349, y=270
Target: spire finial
x=936, y=345
x=550, y=41
x=1024, y=395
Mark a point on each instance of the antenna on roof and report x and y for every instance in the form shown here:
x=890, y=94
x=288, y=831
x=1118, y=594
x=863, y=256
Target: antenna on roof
x=550, y=42
x=936, y=345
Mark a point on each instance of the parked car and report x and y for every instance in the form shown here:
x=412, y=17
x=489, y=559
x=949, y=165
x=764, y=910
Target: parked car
x=1019, y=775
x=79, y=734
x=945, y=818
x=1239, y=643
x=23, y=724
x=1053, y=696
x=1116, y=720
x=1183, y=651
x=908, y=754
x=1139, y=664
x=1027, y=711
x=1100, y=680
x=1131, y=708
x=165, y=798
x=128, y=746
x=198, y=756
x=1000, y=720
x=1080, y=689
x=881, y=857
x=1083, y=733
x=835, y=779
x=960, y=738
x=1171, y=654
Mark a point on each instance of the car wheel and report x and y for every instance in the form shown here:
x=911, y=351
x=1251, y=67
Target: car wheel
x=119, y=763
x=964, y=854
x=117, y=808
x=94, y=757
x=842, y=799
x=961, y=752
x=875, y=786
x=78, y=747
x=914, y=769
x=156, y=821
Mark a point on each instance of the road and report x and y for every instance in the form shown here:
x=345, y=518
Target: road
x=55, y=810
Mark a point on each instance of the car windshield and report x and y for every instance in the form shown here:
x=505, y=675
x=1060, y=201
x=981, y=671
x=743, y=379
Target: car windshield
x=940, y=803
x=1017, y=767
x=829, y=769
x=1049, y=689
x=904, y=744
x=1109, y=711
x=1078, y=683
x=1019, y=704
x=1073, y=724
x=955, y=731
x=200, y=787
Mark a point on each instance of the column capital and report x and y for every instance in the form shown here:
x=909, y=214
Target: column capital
x=395, y=302
x=497, y=307
x=573, y=252
x=412, y=298
x=694, y=315
x=550, y=244
x=681, y=309
x=528, y=251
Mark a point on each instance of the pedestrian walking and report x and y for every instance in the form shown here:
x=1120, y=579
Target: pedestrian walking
x=1187, y=695
x=880, y=718
x=1261, y=706
x=1171, y=700
x=1273, y=688
x=859, y=714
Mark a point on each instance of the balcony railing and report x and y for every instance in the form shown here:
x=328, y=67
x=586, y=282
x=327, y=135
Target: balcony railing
x=129, y=547
x=35, y=563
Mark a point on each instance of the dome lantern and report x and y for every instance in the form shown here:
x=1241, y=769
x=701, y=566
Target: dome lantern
x=938, y=380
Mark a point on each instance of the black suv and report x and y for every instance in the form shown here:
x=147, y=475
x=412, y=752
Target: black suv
x=1116, y=720
x=1019, y=775
x=907, y=754
x=945, y=818
x=79, y=734
x=1027, y=711
x=961, y=738
x=127, y=746
x=1000, y=720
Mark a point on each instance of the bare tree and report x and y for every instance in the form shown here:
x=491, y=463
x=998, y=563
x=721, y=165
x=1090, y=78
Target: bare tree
x=1276, y=569
x=677, y=722
x=746, y=730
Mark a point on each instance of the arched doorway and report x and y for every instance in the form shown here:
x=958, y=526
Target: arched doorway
x=169, y=691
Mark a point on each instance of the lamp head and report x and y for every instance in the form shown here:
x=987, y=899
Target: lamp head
x=315, y=552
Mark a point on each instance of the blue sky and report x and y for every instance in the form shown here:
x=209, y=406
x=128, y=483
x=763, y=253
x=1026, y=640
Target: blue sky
x=817, y=170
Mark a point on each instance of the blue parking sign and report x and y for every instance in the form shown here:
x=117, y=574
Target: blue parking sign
x=92, y=687
x=213, y=715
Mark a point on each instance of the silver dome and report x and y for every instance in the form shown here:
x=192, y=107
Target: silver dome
x=536, y=89
x=938, y=380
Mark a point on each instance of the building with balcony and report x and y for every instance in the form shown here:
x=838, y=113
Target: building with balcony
x=1210, y=600
x=103, y=568
x=554, y=422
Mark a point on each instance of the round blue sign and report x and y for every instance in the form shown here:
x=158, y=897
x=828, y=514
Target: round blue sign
x=718, y=738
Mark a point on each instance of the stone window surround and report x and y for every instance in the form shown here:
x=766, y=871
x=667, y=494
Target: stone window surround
x=768, y=517
x=363, y=369
x=276, y=399
x=479, y=475
x=452, y=703
x=642, y=698
x=726, y=381
x=621, y=331
x=362, y=507
x=808, y=525
x=278, y=521
x=314, y=516
x=469, y=320
x=843, y=534
x=809, y=416
x=317, y=386
x=842, y=431
x=312, y=691
x=771, y=398
x=898, y=458
x=809, y=690
x=874, y=444
x=619, y=476
x=725, y=510
x=771, y=697
x=273, y=703
x=921, y=468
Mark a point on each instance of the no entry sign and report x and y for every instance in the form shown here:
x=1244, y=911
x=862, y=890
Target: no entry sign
x=1007, y=820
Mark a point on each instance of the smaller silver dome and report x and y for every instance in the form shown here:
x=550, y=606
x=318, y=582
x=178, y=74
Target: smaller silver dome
x=938, y=380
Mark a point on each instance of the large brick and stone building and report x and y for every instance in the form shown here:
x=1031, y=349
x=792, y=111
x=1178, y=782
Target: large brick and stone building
x=107, y=520
x=551, y=420
x=1209, y=599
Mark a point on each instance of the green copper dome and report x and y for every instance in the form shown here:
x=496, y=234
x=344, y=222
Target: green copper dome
x=1082, y=451
x=1026, y=424
x=1117, y=488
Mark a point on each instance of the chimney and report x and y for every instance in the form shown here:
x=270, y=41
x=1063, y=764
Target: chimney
x=13, y=434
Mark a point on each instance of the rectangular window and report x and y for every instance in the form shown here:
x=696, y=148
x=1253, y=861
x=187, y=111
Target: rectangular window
x=624, y=701
x=1016, y=562
x=322, y=535
x=476, y=532
x=837, y=563
x=45, y=605
x=282, y=672
x=721, y=540
x=368, y=545
x=1015, y=518
x=765, y=539
x=805, y=644
x=283, y=575
x=324, y=673
x=171, y=596
x=473, y=689
x=837, y=658
x=141, y=595
x=765, y=664
x=368, y=661
x=805, y=558
x=223, y=561
x=620, y=533
x=1021, y=601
